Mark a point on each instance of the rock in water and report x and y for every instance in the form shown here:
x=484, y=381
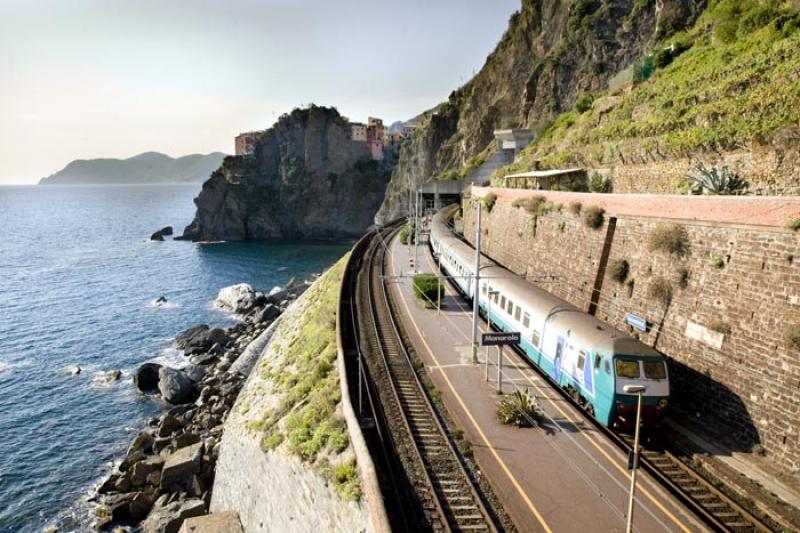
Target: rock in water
x=237, y=298
x=205, y=341
x=167, y=518
x=174, y=385
x=189, y=334
x=160, y=234
x=146, y=377
x=194, y=372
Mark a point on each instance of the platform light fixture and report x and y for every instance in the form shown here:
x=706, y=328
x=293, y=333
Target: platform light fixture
x=639, y=391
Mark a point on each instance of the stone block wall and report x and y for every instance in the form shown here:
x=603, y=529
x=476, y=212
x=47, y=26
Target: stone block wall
x=735, y=294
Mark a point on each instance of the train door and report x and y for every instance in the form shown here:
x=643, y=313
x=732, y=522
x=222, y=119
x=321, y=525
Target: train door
x=557, y=359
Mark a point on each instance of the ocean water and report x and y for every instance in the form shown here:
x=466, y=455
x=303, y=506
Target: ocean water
x=78, y=278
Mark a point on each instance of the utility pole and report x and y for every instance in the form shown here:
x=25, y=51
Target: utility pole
x=476, y=294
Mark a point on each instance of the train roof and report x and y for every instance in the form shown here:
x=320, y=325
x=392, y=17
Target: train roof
x=584, y=329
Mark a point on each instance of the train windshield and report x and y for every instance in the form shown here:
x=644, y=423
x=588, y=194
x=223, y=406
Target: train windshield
x=627, y=369
x=654, y=369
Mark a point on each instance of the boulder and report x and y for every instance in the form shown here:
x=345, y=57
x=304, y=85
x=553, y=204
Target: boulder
x=194, y=372
x=117, y=506
x=140, y=505
x=141, y=470
x=168, y=425
x=205, y=341
x=112, y=375
x=181, y=340
x=181, y=465
x=227, y=522
x=237, y=298
x=168, y=518
x=174, y=386
x=146, y=377
x=269, y=313
x=203, y=359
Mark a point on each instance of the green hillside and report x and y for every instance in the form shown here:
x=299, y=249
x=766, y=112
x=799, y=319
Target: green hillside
x=731, y=80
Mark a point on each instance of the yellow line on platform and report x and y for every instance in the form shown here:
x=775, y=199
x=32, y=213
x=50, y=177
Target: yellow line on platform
x=486, y=440
x=589, y=438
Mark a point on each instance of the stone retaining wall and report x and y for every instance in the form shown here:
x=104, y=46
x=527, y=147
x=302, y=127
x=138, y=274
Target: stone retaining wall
x=735, y=295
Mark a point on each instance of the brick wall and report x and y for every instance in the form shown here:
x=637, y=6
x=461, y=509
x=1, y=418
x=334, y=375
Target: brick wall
x=743, y=278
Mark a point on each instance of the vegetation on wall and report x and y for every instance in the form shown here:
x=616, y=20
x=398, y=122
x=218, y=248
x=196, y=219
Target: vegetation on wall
x=716, y=180
x=618, y=270
x=305, y=421
x=593, y=216
x=728, y=80
x=660, y=290
x=670, y=238
x=489, y=201
x=793, y=336
x=428, y=289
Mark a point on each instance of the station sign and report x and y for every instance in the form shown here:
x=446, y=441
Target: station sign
x=501, y=338
x=636, y=322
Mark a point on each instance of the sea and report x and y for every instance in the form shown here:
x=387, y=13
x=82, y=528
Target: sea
x=79, y=280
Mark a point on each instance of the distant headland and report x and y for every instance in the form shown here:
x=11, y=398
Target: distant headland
x=149, y=167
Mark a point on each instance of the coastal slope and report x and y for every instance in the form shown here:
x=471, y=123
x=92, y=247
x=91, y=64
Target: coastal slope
x=306, y=180
x=149, y=167
x=551, y=54
x=286, y=462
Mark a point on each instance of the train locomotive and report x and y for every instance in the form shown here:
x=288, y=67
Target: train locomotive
x=591, y=360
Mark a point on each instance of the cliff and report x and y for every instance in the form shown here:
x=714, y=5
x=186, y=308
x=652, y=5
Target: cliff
x=724, y=92
x=306, y=180
x=551, y=54
x=149, y=167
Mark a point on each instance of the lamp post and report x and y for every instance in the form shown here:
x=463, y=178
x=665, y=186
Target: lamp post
x=489, y=294
x=476, y=292
x=638, y=390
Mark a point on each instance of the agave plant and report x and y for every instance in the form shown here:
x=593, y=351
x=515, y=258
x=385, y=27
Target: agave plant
x=716, y=180
x=519, y=409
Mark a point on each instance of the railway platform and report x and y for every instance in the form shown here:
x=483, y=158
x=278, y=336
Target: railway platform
x=563, y=476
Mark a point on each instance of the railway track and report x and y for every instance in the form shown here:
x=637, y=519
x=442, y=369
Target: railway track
x=446, y=493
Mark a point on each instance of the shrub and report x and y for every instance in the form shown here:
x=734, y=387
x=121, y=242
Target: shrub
x=619, y=270
x=716, y=262
x=516, y=204
x=575, y=208
x=545, y=208
x=272, y=441
x=489, y=201
x=519, y=409
x=794, y=224
x=660, y=290
x=720, y=327
x=346, y=481
x=427, y=288
x=669, y=238
x=584, y=103
x=593, y=216
x=532, y=204
x=793, y=337
x=682, y=278
x=407, y=234
x=599, y=184
x=717, y=180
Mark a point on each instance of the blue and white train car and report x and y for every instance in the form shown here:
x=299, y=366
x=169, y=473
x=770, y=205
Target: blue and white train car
x=586, y=357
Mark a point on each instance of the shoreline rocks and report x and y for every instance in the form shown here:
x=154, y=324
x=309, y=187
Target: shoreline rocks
x=160, y=234
x=167, y=473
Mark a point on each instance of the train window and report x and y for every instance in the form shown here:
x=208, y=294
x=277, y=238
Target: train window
x=526, y=320
x=517, y=312
x=510, y=308
x=535, y=337
x=502, y=302
x=654, y=370
x=581, y=360
x=627, y=369
x=607, y=366
x=483, y=290
x=596, y=361
x=494, y=296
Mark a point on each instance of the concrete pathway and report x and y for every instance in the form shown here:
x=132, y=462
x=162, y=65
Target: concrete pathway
x=563, y=476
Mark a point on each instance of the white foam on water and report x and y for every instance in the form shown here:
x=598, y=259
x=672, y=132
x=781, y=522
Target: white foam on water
x=275, y=290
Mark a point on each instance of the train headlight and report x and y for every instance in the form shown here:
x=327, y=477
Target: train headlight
x=662, y=403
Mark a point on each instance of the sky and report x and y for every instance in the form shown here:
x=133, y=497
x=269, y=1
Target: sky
x=82, y=79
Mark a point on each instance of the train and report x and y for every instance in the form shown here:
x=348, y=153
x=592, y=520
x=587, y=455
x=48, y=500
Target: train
x=594, y=362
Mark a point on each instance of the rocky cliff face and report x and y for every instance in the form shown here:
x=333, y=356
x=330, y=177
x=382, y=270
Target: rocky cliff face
x=552, y=52
x=307, y=180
